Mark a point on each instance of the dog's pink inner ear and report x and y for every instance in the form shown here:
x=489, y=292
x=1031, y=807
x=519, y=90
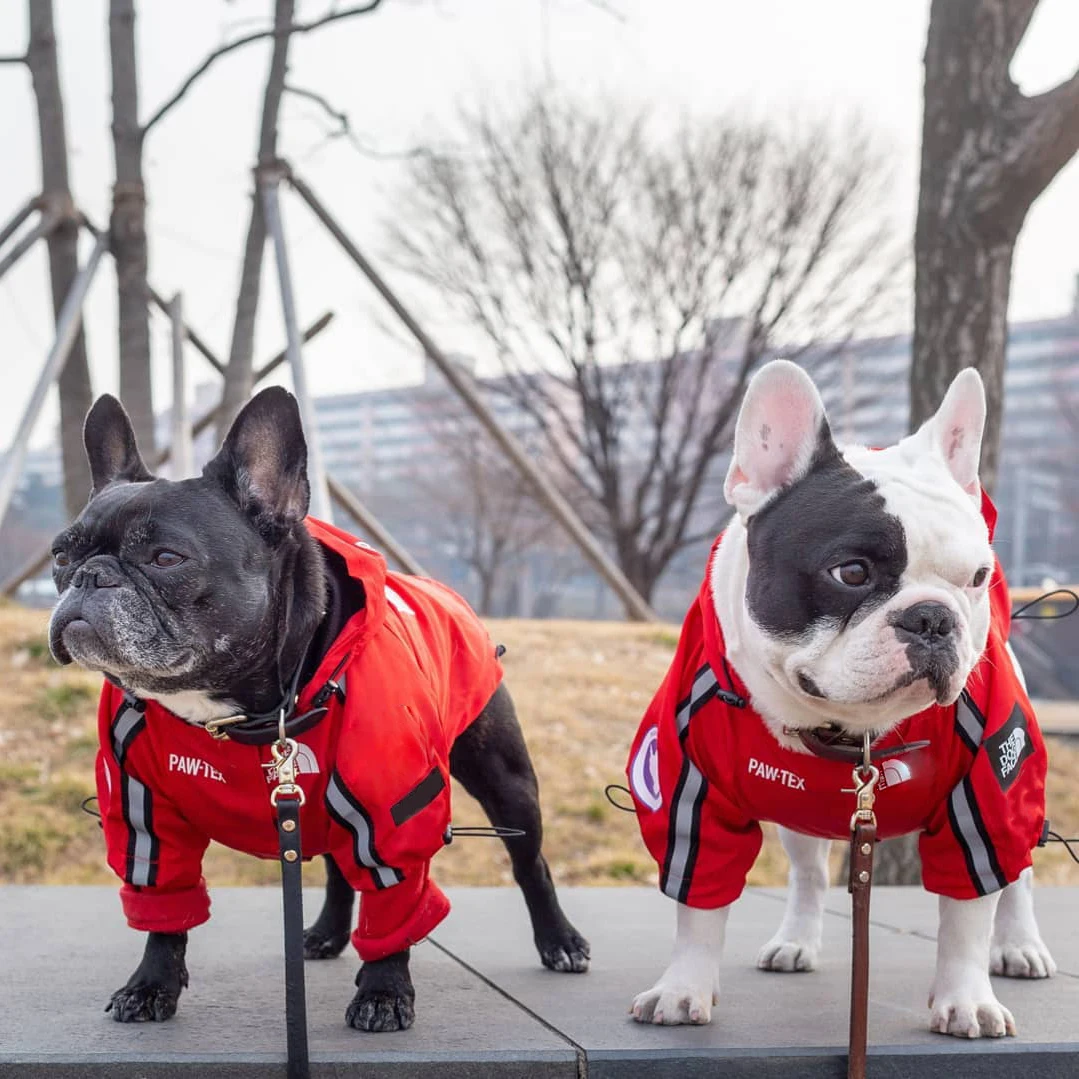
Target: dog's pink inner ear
x=958, y=426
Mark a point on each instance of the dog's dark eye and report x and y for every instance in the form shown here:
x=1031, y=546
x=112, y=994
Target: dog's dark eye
x=167, y=559
x=61, y=559
x=979, y=578
x=852, y=574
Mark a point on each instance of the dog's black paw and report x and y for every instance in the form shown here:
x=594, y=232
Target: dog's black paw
x=564, y=950
x=385, y=999
x=317, y=945
x=381, y=1010
x=143, y=1004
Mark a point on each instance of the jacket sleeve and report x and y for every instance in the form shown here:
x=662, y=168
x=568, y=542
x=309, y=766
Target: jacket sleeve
x=151, y=847
x=704, y=846
x=981, y=838
x=387, y=822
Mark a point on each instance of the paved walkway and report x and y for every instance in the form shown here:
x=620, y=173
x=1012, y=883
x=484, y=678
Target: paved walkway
x=486, y=1010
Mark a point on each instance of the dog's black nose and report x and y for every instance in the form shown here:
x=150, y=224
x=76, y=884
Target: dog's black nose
x=95, y=575
x=929, y=622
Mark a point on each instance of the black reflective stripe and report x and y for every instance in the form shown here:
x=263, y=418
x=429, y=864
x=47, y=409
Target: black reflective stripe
x=342, y=805
x=969, y=722
x=421, y=796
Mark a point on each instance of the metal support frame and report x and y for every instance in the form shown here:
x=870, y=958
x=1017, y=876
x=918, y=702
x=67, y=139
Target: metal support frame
x=33, y=566
x=182, y=452
x=268, y=182
x=49, y=220
x=67, y=328
x=17, y=219
x=359, y=512
x=465, y=388
x=197, y=342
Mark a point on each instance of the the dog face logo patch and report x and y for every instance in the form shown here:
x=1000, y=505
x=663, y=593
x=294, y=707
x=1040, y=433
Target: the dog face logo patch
x=1009, y=747
x=644, y=772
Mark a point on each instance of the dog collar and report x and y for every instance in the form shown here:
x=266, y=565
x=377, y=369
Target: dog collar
x=262, y=728
x=832, y=743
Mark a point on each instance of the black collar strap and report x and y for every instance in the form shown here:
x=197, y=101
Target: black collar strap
x=834, y=744
x=262, y=728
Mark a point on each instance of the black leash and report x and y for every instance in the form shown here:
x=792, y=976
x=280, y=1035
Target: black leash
x=287, y=798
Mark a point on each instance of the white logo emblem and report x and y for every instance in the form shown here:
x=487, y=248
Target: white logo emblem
x=306, y=762
x=644, y=772
x=893, y=773
x=1011, y=750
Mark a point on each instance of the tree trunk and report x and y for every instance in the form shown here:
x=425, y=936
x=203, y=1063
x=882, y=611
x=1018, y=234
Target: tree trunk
x=76, y=395
x=128, y=227
x=239, y=375
x=987, y=153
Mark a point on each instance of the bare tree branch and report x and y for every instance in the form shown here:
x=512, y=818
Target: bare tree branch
x=239, y=43
x=13, y=59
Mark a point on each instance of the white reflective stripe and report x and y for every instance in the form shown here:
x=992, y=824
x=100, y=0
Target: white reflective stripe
x=137, y=806
x=357, y=824
x=398, y=602
x=703, y=684
x=963, y=813
x=685, y=828
x=973, y=725
x=1016, y=666
x=685, y=818
x=121, y=730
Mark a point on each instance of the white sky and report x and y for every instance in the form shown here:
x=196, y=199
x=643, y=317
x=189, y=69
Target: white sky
x=398, y=74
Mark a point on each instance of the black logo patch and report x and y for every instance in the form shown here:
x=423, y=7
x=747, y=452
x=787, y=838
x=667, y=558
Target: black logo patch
x=1009, y=747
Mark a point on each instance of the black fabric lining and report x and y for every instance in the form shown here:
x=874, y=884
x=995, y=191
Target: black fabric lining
x=417, y=799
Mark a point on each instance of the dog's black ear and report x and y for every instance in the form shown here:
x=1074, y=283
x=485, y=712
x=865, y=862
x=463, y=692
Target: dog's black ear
x=262, y=464
x=110, y=445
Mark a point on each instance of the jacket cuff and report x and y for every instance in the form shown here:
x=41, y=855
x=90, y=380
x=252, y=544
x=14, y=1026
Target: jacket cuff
x=395, y=918
x=165, y=912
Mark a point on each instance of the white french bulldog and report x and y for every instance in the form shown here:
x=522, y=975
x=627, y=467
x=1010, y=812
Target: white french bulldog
x=851, y=590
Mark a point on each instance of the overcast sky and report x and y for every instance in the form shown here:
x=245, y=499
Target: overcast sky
x=398, y=74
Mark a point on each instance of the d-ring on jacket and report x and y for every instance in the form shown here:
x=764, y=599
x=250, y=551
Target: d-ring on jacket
x=419, y=668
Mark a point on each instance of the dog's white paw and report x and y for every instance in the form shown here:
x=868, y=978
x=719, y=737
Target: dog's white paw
x=671, y=1004
x=1026, y=957
x=785, y=954
x=967, y=1008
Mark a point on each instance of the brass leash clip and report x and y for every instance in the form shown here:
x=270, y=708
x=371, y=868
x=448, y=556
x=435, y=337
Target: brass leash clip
x=865, y=777
x=284, y=752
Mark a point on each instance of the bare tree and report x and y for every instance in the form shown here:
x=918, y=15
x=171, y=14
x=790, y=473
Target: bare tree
x=629, y=282
x=487, y=515
x=75, y=392
x=988, y=151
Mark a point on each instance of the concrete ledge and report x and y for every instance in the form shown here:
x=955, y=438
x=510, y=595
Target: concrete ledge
x=486, y=1009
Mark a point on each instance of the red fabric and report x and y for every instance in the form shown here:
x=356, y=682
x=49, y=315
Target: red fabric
x=978, y=802
x=419, y=669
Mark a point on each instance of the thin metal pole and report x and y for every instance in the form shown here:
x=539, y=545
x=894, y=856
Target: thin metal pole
x=67, y=327
x=32, y=567
x=12, y=226
x=48, y=222
x=316, y=473
x=374, y=528
x=181, y=450
x=197, y=342
x=462, y=383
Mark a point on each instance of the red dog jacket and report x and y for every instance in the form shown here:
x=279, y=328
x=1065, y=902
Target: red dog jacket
x=704, y=769
x=419, y=668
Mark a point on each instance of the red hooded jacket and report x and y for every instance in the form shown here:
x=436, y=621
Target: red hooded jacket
x=705, y=768
x=419, y=668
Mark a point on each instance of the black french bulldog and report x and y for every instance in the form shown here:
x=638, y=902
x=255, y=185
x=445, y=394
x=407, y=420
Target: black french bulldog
x=154, y=575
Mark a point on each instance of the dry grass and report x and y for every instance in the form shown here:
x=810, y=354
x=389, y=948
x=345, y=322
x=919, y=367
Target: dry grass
x=580, y=688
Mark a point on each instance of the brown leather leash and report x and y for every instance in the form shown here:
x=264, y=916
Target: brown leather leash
x=863, y=842
x=833, y=744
